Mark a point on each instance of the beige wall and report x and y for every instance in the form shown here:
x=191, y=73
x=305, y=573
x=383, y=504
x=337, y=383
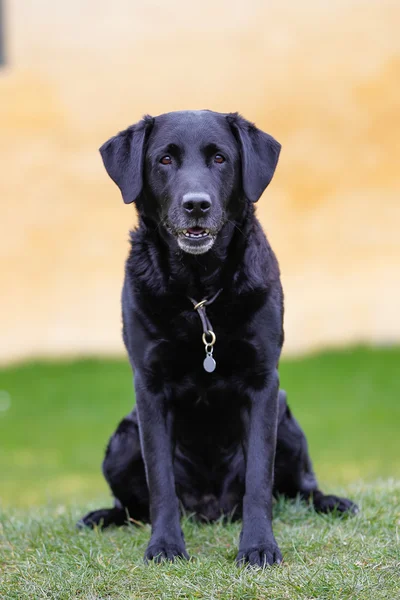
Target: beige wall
x=322, y=77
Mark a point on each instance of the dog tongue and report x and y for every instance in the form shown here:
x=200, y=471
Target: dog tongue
x=195, y=230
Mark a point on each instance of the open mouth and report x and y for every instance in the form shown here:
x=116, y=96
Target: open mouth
x=195, y=232
x=195, y=240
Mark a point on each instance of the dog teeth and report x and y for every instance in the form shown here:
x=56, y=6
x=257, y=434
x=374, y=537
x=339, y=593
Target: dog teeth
x=195, y=235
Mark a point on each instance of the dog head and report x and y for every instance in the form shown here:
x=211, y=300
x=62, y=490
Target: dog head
x=191, y=171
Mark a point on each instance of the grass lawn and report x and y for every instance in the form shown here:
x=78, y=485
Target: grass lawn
x=55, y=419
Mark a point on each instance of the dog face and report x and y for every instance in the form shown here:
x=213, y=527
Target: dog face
x=191, y=167
x=191, y=171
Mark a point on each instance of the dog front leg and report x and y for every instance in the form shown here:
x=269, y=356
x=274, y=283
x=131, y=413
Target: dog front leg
x=166, y=540
x=257, y=542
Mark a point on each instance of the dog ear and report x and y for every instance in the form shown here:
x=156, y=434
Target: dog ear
x=259, y=154
x=123, y=158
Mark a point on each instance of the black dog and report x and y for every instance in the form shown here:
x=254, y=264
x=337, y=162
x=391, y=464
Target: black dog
x=202, y=311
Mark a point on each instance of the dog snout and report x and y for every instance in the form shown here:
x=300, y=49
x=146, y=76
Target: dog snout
x=196, y=204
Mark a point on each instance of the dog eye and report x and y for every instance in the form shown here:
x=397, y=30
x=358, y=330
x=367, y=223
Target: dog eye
x=166, y=160
x=218, y=158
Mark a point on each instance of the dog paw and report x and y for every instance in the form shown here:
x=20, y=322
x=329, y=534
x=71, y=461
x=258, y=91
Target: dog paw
x=161, y=550
x=259, y=556
x=102, y=518
x=327, y=504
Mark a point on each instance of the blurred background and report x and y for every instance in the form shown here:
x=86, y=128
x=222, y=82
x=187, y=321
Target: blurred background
x=324, y=79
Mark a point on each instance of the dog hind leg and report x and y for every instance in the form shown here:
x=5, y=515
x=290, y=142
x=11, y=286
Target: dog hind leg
x=294, y=474
x=123, y=469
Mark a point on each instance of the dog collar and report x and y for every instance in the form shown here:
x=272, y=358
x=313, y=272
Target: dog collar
x=209, y=338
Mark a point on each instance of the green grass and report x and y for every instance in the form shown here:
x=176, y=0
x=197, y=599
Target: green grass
x=43, y=556
x=55, y=419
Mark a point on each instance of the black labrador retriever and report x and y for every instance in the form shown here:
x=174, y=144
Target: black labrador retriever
x=202, y=308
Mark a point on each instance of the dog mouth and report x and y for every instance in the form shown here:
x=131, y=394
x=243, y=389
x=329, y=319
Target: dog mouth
x=195, y=240
x=194, y=233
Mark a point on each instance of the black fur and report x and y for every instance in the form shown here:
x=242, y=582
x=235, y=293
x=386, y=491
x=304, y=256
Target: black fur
x=219, y=443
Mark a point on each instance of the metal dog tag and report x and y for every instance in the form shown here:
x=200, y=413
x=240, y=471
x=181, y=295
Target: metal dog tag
x=209, y=363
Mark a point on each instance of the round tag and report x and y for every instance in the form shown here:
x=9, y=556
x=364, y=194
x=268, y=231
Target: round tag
x=209, y=364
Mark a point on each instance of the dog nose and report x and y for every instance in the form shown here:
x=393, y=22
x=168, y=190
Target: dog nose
x=196, y=204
